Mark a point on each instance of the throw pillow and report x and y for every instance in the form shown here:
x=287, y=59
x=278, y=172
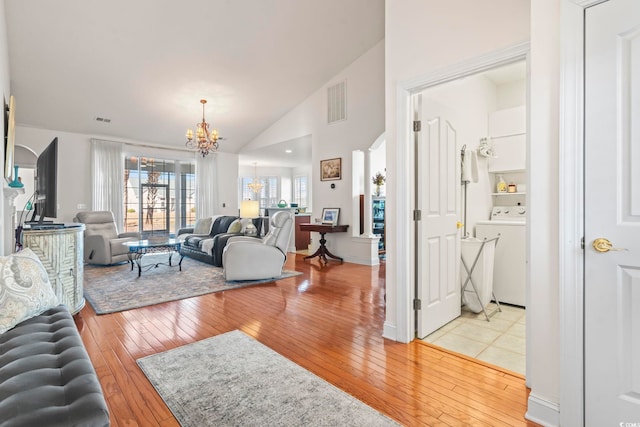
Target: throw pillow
x=203, y=226
x=235, y=227
x=25, y=290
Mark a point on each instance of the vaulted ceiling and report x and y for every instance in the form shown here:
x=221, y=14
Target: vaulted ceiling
x=145, y=64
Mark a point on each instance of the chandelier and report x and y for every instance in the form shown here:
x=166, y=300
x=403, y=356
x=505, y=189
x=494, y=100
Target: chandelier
x=255, y=185
x=205, y=141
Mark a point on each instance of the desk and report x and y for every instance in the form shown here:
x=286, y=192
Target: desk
x=323, y=229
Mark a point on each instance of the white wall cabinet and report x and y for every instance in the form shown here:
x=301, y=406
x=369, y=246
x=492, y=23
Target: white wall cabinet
x=61, y=250
x=507, y=129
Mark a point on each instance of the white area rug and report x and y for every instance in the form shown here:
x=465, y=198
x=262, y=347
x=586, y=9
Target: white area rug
x=233, y=380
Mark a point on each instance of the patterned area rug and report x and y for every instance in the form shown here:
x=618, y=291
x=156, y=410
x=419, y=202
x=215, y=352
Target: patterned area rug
x=233, y=380
x=116, y=288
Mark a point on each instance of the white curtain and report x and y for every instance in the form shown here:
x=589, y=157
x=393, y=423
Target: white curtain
x=206, y=185
x=107, y=166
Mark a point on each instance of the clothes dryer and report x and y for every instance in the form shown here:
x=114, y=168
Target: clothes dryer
x=509, y=272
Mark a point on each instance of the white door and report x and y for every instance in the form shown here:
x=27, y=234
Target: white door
x=438, y=200
x=612, y=211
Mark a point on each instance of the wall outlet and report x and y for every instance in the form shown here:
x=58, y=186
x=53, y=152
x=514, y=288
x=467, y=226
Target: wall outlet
x=81, y=206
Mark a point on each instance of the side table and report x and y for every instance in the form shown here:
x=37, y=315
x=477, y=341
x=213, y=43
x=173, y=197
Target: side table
x=323, y=229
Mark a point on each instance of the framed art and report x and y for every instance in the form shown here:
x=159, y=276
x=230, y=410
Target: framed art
x=330, y=216
x=331, y=169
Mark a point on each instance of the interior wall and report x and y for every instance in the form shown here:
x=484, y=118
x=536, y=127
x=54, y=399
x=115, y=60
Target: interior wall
x=422, y=38
x=74, y=168
x=364, y=124
x=428, y=36
x=5, y=84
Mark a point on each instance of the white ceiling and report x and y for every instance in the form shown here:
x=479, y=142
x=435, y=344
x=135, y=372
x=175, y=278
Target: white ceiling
x=145, y=64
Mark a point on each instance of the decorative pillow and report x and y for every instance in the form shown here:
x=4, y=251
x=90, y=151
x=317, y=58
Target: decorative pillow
x=203, y=226
x=235, y=227
x=25, y=290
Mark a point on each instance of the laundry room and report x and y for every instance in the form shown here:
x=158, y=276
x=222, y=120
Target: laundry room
x=490, y=113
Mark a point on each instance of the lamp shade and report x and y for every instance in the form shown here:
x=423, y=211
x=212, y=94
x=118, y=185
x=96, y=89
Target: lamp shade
x=249, y=209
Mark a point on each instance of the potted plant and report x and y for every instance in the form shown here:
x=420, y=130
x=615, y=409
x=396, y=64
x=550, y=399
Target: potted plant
x=378, y=180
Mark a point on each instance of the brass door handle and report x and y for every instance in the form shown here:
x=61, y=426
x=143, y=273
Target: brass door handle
x=604, y=245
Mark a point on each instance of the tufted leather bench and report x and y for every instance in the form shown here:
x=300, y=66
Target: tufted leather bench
x=46, y=376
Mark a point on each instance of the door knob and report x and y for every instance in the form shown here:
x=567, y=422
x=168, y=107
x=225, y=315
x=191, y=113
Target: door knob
x=459, y=224
x=604, y=245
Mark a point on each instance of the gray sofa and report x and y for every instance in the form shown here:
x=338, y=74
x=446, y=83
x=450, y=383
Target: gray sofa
x=46, y=376
x=208, y=247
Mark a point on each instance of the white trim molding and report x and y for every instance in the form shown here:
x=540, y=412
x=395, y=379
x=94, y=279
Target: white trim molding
x=571, y=212
x=543, y=412
x=404, y=240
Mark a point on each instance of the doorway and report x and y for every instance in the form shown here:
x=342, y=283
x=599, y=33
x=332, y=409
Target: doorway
x=483, y=106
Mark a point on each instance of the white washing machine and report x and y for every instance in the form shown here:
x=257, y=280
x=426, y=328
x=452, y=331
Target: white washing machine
x=509, y=271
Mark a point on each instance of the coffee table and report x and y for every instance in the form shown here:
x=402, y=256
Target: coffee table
x=140, y=248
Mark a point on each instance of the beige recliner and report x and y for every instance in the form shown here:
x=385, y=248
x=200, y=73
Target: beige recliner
x=102, y=243
x=250, y=258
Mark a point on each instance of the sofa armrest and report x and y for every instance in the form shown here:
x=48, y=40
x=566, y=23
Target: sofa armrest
x=118, y=246
x=97, y=250
x=133, y=234
x=186, y=230
x=251, y=260
x=219, y=243
x=242, y=238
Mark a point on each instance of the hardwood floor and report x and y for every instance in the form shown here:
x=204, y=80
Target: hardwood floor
x=328, y=320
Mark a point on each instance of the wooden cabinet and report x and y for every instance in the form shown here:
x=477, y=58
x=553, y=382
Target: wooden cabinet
x=61, y=251
x=303, y=238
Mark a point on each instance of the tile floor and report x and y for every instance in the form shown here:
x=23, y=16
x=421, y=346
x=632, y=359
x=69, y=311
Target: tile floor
x=500, y=342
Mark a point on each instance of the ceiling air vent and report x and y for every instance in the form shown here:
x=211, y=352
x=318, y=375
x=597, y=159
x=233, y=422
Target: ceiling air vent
x=103, y=120
x=337, y=102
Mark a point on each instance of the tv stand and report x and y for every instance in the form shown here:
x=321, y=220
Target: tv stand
x=61, y=250
x=44, y=226
x=45, y=221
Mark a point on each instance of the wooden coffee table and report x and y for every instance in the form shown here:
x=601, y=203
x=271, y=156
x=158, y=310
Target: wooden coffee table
x=140, y=248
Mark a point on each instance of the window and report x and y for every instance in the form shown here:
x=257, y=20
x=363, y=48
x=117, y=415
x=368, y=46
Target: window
x=151, y=196
x=300, y=193
x=187, y=200
x=268, y=196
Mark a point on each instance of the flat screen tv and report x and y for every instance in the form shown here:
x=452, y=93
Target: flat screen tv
x=46, y=201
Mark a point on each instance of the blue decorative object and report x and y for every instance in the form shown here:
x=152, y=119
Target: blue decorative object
x=16, y=183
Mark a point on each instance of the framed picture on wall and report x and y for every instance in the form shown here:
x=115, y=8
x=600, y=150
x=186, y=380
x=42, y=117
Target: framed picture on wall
x=331, y=169
x=330, y=216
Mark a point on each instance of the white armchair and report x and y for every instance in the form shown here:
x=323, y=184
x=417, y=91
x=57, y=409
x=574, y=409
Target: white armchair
x=250, y=258
x=102, y=243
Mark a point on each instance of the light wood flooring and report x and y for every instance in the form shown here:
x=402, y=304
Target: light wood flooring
x=328, y=320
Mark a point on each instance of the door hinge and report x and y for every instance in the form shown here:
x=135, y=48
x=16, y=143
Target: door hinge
x=417, y=304
x=417, y=215
x=582, y=243
x=417, y=125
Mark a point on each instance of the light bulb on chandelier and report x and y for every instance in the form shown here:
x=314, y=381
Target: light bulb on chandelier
x=205, y=141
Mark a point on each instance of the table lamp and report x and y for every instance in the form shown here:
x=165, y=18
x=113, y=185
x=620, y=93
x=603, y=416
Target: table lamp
x=250, y=209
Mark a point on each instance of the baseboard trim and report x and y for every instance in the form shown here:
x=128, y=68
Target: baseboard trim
x=390, y=331
x=542, y=411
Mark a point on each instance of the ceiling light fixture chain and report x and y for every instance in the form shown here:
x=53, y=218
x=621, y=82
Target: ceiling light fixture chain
x=205, y=141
